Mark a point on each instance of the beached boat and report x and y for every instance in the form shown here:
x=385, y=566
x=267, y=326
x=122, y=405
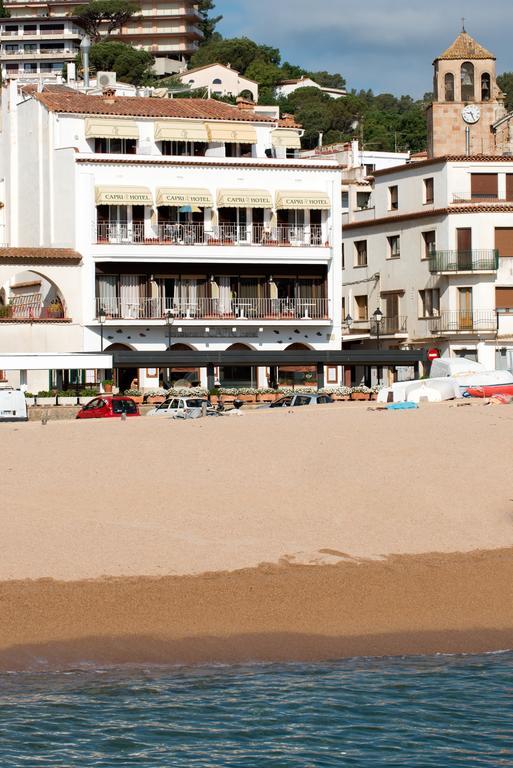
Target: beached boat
x=468, y=373
x=432, y=391
x=490, y=391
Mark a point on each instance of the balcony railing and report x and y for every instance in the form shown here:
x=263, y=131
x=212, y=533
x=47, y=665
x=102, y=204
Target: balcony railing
x=464, y=261
x=212, y=309
x=389, y=326
x=466, y=197
x=471, y=321
x=31, y=311
x=199, y=234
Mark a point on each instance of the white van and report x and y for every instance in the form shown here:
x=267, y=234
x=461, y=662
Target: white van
x=13, y=406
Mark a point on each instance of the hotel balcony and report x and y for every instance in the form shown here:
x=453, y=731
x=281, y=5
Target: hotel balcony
x=464, y=322
x=389, y=326
x=199, y=234
x=30, y=309
x=467, y=198
x=441, y=262
x=228, y=310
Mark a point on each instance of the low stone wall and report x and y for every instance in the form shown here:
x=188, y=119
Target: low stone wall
x=63, y=412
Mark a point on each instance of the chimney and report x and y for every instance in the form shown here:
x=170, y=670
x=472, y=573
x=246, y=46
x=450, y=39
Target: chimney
x=109, y=92
x=245, y=104
x=288, y=119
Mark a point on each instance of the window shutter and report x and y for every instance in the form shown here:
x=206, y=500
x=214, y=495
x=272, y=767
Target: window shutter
x=484, y=185
x=504, y=240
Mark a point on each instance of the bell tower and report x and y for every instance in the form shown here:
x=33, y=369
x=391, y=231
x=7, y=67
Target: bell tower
x=467, y=101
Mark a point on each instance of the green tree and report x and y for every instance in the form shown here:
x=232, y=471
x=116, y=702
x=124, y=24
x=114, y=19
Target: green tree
x=505, y=83
x=130, y=64
x=264, y=73
x=4, y=13
x=208, y=24
x=327, y=80
x=98, y=15
x=239, y=52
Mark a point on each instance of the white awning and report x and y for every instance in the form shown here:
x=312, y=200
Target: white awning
x=285, y=137
x=42, y=361
x=181, y=130
x=179, y=197
x=123, y=196
x=237, y=133
x=303, y=201
x=110, y=128
x=244, y=198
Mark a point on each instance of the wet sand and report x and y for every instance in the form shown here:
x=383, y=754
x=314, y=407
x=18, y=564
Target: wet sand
x=277, y=536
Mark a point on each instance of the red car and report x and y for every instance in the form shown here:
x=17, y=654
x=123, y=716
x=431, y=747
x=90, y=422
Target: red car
x=109, y=407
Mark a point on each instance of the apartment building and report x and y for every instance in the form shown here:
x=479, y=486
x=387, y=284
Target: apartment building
x=39, y=37
x=152, y=225
x=430, y=261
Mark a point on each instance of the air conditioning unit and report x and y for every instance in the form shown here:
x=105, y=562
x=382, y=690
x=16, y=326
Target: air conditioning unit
x=105, y=79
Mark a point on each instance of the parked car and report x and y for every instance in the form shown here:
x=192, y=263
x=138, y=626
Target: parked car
x=293, y=401
x=182, y=406
x=109, y=407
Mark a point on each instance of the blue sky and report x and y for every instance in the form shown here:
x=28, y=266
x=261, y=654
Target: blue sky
x=386, y=45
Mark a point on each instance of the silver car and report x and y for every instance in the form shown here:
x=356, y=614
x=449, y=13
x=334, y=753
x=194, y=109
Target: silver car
x=293, y=401
x=183, y=407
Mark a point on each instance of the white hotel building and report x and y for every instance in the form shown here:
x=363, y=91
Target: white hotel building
x=132, y=222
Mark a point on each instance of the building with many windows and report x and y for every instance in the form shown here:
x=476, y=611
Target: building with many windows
x=143, y=224
x=433, y=252
x=39, y=37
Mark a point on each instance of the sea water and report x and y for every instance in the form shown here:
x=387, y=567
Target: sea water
x=434, y=711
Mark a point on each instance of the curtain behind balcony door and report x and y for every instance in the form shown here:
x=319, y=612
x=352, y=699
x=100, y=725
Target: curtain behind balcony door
x=185, y=295
x=106, y=293
x=225, y=295
x=129, y=296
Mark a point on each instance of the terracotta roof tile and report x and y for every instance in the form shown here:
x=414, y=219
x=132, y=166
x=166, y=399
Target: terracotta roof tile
x=465, y=47
x=139, y=106
x=40, y=254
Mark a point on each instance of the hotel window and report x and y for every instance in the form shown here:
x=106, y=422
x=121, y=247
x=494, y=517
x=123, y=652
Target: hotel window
x=393, y=198
x=345, y=200
x=232, y=149
x=360, y=248
x=484, y=186
x=428, y=244
x=10, y=48
x=361, y=304
x=11, y=67
x=429, y=191
x=394, y=247
x=504, y=301
x=116, y=146
x=429, y=303
x=31, y=48
x=184, y=148
x=362, y=200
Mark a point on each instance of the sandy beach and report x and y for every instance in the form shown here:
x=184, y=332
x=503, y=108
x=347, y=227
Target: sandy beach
x=309, y=534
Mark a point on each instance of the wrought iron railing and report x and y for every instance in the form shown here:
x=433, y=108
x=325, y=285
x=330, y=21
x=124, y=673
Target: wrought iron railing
x=389, y=326
x=109, y=308
x=199, y=234
x=475, y=320
x=464, y=261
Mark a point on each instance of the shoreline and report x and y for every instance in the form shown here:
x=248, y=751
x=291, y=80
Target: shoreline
x=400, y=606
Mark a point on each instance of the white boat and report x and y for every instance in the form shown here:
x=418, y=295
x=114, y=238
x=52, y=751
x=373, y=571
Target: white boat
x=432, y=391
x=467, y=373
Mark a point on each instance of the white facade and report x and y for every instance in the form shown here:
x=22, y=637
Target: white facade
x=433, y=252
x=250, y=253
x=285, y=88
x=220, y=80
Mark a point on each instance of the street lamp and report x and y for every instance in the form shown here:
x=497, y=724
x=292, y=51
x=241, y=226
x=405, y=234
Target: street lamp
x=85, y=47
x=101, y=320
x=169, y=322
x=378, y=317
x=348, y=322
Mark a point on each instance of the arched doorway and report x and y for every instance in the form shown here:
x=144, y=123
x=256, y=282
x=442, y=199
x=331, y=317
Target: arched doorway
x=238, y=375
x=123, y=378
x=297, y=375
x=180, y=375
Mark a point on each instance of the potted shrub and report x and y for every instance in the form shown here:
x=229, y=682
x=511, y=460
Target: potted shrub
x=214, y=395
x=374, y=391
x=107, y=385
x=227, y=395
x=66, y=398
x=265, y=395
x=155, y=396
x=30, y=398
x=337, y=393
x=247, y=394
x=45, y=397
x=360, y=392
x=136, y=394
x=86, y=395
